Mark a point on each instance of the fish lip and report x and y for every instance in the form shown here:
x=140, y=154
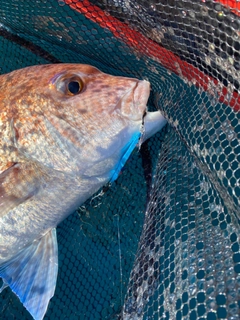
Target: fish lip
x=134, y=103
x=140, y=98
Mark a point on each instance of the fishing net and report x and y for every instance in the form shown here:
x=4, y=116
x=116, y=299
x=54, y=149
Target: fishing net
x=162, y=242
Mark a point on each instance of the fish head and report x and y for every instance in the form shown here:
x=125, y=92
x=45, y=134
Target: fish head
x=83, y=89
x=74, y=117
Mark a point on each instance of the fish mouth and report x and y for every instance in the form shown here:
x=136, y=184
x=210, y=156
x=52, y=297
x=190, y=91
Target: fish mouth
x=141, y=95
x=134, y=102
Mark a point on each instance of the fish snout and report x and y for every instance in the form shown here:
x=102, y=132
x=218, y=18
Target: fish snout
x=134, y=102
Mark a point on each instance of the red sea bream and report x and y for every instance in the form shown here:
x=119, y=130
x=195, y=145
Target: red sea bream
x=65, y=131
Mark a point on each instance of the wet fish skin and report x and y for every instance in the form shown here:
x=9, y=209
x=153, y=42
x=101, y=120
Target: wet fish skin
x=57, y=148
x=44, y=128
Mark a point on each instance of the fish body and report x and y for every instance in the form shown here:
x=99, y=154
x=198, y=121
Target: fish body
x=65, y=131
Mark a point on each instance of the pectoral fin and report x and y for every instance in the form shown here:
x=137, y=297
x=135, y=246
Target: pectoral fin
x=32, y=274
x=18, y=183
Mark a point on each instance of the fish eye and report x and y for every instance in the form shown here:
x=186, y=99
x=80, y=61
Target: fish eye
x=74, y=87
x=69, y=85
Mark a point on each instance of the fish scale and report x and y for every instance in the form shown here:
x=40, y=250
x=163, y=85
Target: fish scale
x=57, y=148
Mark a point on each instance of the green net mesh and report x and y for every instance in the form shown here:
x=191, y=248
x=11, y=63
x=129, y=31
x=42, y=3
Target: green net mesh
x=130, y=253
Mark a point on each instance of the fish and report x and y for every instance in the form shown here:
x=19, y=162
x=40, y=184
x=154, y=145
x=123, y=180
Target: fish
x=66, y=130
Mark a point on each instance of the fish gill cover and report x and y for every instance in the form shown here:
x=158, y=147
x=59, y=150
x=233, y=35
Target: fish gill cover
x=170, y=252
